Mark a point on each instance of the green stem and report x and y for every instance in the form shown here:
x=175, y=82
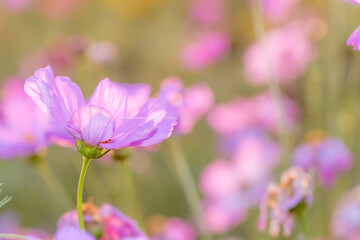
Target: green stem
x=53, y=183
x=16, y=236
x=85, y=164
x=188, y=184
x=302, y=222
x=133, y=198
x=274, y=87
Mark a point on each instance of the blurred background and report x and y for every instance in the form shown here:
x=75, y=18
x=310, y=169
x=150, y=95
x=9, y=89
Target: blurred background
x=200, y=41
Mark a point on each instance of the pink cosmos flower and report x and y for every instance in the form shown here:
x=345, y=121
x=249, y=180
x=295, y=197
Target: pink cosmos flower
x=207, y=12
x=279, y=10
x=328, y=157
x=206, y=50
x=346, y=218
x=354, y=39
x=107, y=222
x=286, y=62
x=232, y=187
x=259, y=111
x=280, y=202
x=174, y=229
x=102, y=121
x=24, y=136
x=188, y=105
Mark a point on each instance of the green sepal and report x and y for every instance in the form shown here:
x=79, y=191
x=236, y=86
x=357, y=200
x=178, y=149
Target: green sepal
x=90, y=151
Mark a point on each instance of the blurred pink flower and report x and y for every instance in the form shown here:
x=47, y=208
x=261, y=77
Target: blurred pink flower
x=224, y=213
x=55, y=9
x=290, y=51
x=9, y=223
x=279, y=10
x=230, y=118
x=24, y=128
x=16, y=6
x=232, y=187
x=224, y=204
x=328, y=157
x=107, y=222
x=346, y=218
x=188, y=105
x=355, y=1
x=354, y=39
x=206, y=50
x=254, y=159
x=101, y=52
x=259, y=111
x=280, y=201
x=62, y=54
x=264, y=107
x=72, y=232
x=207, y=12
x=102, y=121
x=175, y=229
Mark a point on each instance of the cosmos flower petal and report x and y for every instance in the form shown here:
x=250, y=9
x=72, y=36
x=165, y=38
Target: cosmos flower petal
x=139, y=127
x=111, y=97
x=354, y=39
x=92, y=125
x=162, y=132
x=70, y=93
x=59, y=96
x=72, y=232
x=137, y=95
x=36, y=91
x=47, y=100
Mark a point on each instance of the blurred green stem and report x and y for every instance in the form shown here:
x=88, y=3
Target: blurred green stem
x=85, y=164
x=274, y=87
x=53, y=183
x=302, y=221
x=16, y=236
x=189, y=186
x=134, y=200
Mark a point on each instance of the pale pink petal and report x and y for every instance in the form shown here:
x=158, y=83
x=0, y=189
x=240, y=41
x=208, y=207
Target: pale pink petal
x=70, y=93
x=137, y=95
x=59, y=97
x=139, y=127
x=163, y=131
x=92, y=125
x=111, y=97
x=32, y=88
